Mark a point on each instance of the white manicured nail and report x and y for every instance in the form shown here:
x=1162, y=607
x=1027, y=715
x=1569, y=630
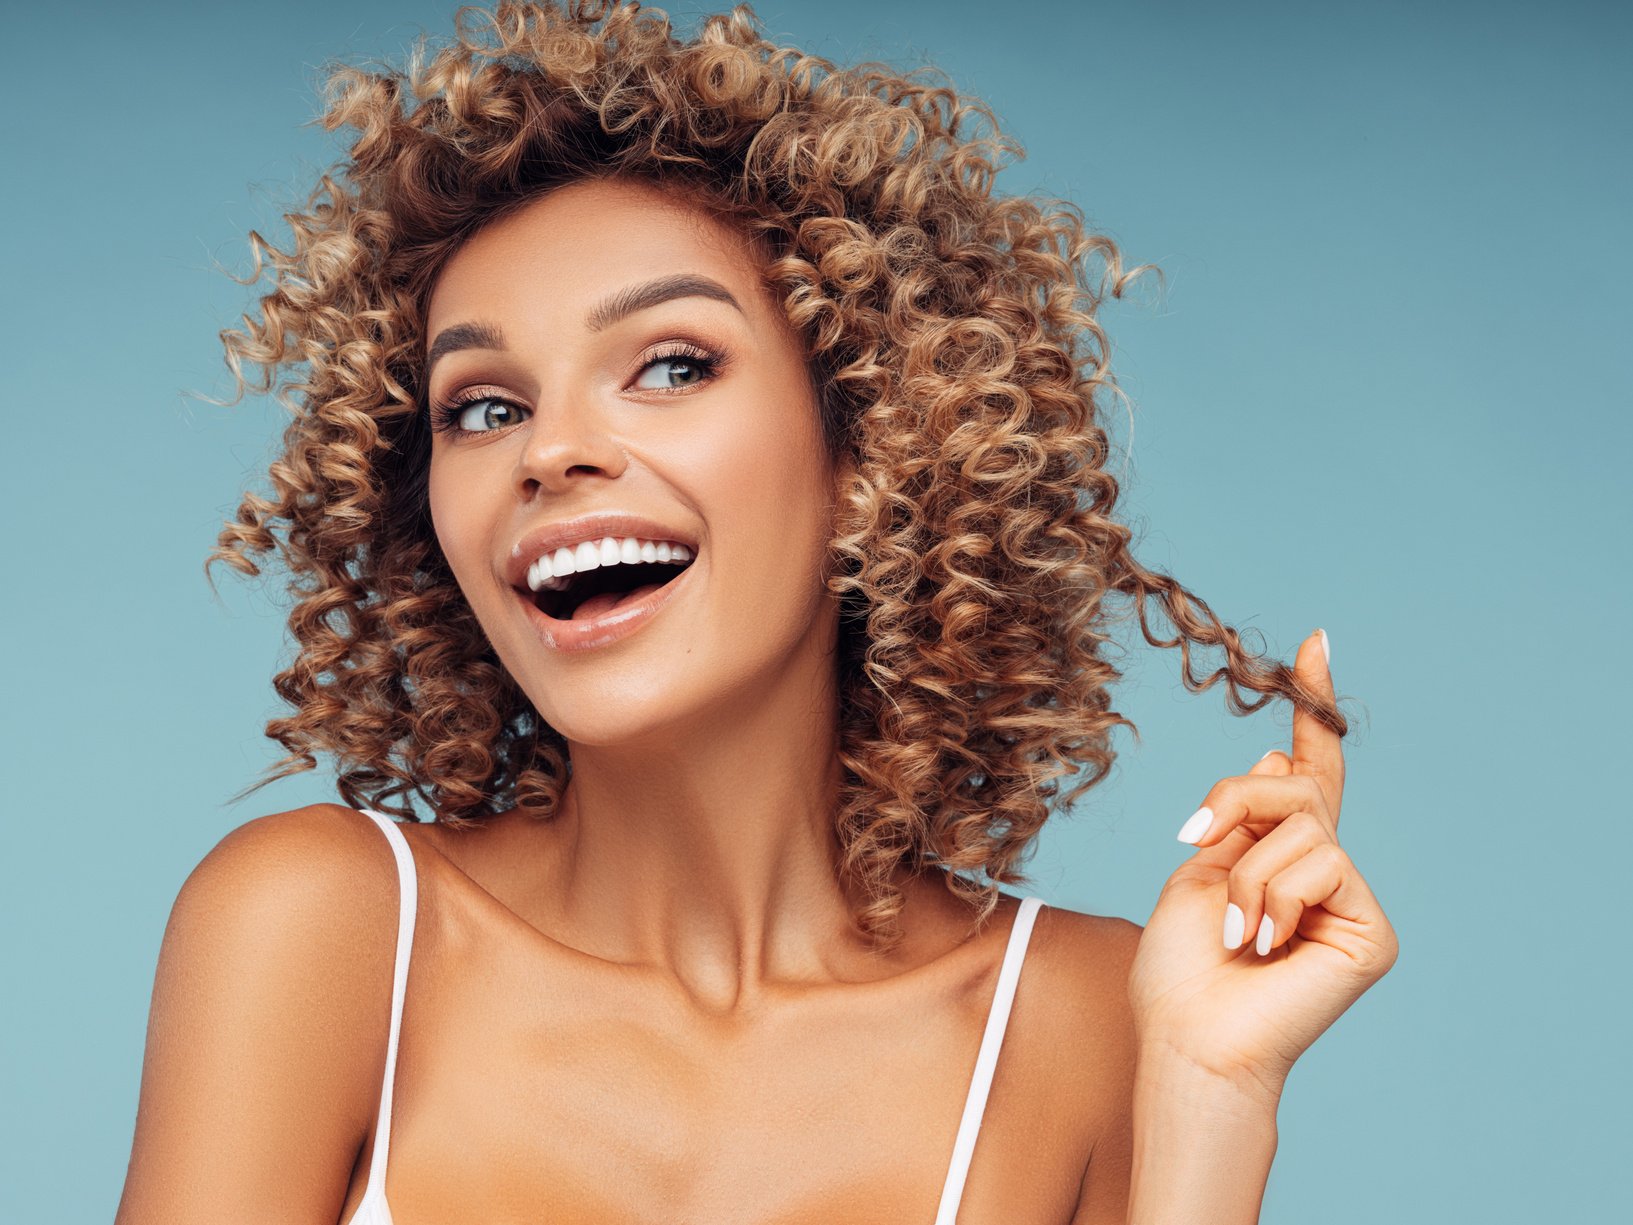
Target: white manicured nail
x=1234, y=920
x=1196, y=825
x=1267, y=753
x=1267, y=933
x=1326, y=647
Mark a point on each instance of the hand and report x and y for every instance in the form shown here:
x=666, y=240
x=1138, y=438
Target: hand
x=1270, y=851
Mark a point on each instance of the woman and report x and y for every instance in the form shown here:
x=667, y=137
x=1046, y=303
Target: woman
x=696, y=496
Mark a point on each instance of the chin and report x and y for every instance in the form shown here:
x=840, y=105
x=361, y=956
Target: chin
x=635, y=706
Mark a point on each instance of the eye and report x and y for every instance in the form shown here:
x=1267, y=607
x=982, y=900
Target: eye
x=478, y=415
x=699, y=366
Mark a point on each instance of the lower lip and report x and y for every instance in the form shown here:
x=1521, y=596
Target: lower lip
x=614, y=625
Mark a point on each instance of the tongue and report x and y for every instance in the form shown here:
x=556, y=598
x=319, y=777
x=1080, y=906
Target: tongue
x=607, y=600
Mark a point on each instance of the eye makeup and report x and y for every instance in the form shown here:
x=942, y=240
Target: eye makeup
x=446, y=414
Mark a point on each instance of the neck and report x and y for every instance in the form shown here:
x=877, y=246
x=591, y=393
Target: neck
x=712, y=855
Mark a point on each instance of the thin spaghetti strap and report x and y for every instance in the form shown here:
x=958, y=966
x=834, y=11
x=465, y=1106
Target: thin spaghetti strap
x=408, y=905
x=975, y=1105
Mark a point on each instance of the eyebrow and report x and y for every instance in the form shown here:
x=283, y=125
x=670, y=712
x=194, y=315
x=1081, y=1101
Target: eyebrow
x=464, y=336
x=650, y=293
x=603, y=315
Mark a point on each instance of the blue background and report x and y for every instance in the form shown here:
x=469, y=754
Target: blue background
x=1385, y=391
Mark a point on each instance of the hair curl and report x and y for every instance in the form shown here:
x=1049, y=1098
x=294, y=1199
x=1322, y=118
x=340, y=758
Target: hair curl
x=951, y=334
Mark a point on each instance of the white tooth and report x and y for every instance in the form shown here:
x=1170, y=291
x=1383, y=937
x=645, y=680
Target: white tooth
x=546, y=570
x=564, y=562
x=664, y=550
x=610, y=551
x=649, y=550
x=629, y=552
x=587, y=556
x=680, y=553
x=554, y=584
x=534, y=578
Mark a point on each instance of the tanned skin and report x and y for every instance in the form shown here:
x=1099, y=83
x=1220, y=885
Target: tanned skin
x=653, y=1007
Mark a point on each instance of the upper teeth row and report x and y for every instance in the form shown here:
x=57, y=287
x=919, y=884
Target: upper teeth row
x=550, y=572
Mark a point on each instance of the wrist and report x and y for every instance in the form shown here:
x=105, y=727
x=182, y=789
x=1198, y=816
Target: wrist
x=1203, y=1142
x=1164, y=1070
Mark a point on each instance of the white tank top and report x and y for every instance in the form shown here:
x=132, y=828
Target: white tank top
x=373, y=1209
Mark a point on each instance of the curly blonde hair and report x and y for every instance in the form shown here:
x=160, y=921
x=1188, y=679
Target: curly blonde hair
x=951, y=334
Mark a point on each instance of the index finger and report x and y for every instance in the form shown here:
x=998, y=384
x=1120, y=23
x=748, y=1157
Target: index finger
x=1318, y=750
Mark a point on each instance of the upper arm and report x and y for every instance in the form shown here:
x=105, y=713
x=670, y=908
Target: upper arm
x=267, y=1034
x=1104, y=1194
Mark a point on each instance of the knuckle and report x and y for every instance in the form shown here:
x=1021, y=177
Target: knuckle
x=1331, y=855
x=1392, y=950
x=1314, y=797
x=1277, y=896
x=1308, y=828
x=1243, y=881
x=1225, y=792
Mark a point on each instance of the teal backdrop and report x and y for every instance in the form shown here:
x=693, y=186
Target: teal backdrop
x=1385, y=390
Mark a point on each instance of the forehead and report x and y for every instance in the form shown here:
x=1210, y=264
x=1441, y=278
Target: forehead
x=567, y=249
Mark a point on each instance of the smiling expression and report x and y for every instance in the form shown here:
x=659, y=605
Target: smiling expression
x=605, y=351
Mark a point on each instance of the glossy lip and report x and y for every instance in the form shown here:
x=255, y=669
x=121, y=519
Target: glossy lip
x=612, y=626
x=570, y=532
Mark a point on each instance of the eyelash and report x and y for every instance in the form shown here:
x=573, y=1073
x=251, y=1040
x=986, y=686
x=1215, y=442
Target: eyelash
x=444, y=416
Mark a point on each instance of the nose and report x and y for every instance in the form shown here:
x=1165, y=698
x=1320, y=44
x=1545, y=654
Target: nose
x=564, y=447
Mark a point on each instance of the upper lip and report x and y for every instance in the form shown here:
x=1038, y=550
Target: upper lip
x=549, y=537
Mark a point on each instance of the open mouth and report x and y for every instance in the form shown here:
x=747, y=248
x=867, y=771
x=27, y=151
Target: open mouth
x=588, y=594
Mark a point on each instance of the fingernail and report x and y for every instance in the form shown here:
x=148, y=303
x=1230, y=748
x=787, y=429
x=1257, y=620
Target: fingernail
x=1267, y=933
x=1326, y=647
x=1196, y=825
x=1267, y=754
x=1234, y=920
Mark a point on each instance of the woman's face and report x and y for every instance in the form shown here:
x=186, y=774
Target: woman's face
x=610, y=351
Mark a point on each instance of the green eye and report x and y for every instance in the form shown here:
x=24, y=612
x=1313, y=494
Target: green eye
x=481, y=415
x=694, y=366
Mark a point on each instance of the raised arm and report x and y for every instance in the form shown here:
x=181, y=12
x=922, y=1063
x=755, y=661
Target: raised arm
x=1175, y=1144
x=268, y=1027
x=1258, y=942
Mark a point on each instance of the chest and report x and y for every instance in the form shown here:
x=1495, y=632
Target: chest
x=532, y=1085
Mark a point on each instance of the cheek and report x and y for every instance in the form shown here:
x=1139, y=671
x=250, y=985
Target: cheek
x=455, y=521
x=770, y=498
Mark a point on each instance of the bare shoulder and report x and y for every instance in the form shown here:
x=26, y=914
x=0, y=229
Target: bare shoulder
x=267, y=1033
x=324, y=837
x=1087, y=947
x=1084, y=960
x=324, y=874
x=316, y=883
